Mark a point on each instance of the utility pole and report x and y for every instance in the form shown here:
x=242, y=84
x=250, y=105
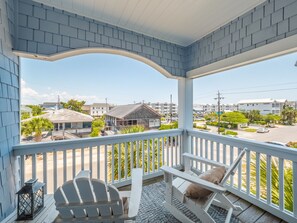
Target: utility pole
x=219, y=98
x=58, y=102
x=170, y=108
x=106, y=105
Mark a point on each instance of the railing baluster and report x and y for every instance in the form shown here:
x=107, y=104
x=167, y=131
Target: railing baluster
x=201, y=152
x=281, y=183
x=23, y=170
x=206, y=153
x=91, y=160
x=143, y=151
x=224, y=153
x=175, y=150
x=167, y=151
x=98, y=161
x=248, y=171
x=112, y=163
x=44, y=171
x=126, y=160
x=295, y=188
x=163, y=152
x=82, y=156
x=73, y=163
x=268, y=178
x=137, y=153
x=258, y=175
x=196, y=151
x=239, y=171
x=34, y=166
x=64, y=165
x=105, y=164
x=55, y=167
x=218, y=152
x=153, y=155
x=192, y=146
x=171, y=150
x=211, y=150
x=148, y=155
x=158, y=152
x=231, y=161
x=132, y=156
x=119, y=162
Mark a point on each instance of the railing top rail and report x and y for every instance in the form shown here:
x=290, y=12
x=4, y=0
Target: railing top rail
x=33, y=148
x=260, y=147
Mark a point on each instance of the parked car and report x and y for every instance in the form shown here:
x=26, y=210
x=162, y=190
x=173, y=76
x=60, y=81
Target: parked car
x=262, y=130
x=277, y=143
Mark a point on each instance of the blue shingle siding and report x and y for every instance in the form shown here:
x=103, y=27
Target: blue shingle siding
x=64, y=30
x=9, y=97
x=268, y=22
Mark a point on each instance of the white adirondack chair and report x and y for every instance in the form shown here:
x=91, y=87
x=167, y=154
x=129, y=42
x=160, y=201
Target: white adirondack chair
x=177, y=188
x=84, y=199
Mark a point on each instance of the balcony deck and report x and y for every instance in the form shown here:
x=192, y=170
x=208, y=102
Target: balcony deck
x=250, y=213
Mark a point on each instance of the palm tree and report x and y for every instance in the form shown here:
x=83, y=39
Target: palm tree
x=36, y=126
x=288, y=115
x=288, y=180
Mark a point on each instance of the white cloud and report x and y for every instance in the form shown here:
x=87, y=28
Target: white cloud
x=31, y=96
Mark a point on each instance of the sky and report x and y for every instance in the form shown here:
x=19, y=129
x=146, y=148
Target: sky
x=122, y=80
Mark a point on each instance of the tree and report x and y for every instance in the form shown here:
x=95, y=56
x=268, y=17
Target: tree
x=211, y=116
x=288, y=115
x=36, y=126
x=271, y=118
x=25, y=115
x=253, y=115
x=234, y=117
x=74, y=105
x=97, y=125
x=36, y=110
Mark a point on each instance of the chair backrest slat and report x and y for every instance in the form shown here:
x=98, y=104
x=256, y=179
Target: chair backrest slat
x=60, y=200
x=100, y=192
x=117, y=209
x=72, y=196
x=86, y=193
x=234, y=165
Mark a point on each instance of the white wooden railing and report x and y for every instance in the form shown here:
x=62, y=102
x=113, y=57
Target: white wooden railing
x=266, y=177
x=59, y=161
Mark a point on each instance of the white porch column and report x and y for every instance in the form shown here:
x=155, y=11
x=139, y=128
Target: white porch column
x=185, y=110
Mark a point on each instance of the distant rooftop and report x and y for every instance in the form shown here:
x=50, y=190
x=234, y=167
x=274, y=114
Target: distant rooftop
x=263, y=100
x=122, y=111
x=63, y=116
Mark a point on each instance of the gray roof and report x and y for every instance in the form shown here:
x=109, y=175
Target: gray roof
x=122, y=111
x=64, y=116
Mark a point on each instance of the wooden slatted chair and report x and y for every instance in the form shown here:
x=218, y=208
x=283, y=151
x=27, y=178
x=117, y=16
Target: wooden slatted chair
x=177, y=188
x=84, y=199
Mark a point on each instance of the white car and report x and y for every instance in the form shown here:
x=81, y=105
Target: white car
x=262, y=130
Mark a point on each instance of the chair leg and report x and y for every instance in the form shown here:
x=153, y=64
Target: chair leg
x=177, y=214
x=224, y=200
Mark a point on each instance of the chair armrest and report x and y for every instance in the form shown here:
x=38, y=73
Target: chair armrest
x=203, y=183
x=136, y=190
x=203, y=160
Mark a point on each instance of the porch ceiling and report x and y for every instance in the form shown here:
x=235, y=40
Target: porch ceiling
x=176, y=21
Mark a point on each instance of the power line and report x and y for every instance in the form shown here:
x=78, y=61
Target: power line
x=219, y=98
x=245, y=92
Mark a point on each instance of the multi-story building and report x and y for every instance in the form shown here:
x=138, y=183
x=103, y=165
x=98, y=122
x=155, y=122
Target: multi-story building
x=97, y=109
x=207, y=108
x=164, y=108
x=265, y=106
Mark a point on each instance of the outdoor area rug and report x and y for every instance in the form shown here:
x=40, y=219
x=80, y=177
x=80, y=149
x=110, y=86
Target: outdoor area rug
x=152, y=208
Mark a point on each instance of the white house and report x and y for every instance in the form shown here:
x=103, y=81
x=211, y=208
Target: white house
x=207, y=108
x=265, y=106
x=164, y=108
x=99, y=109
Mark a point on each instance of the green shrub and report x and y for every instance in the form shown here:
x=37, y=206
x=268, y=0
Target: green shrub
x=292, y=144
x=173, y=125
x=250, y=130
x=260, y=122
x=204, y=127
x=222, y=129
x=228, y=132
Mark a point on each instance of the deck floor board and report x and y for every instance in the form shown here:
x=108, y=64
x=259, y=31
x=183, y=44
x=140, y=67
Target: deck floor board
x=249, y=214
